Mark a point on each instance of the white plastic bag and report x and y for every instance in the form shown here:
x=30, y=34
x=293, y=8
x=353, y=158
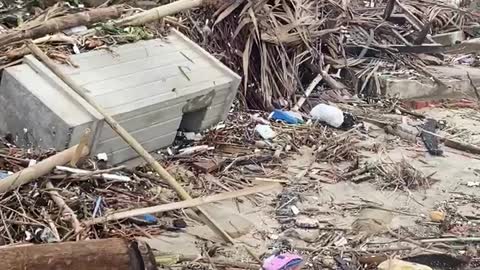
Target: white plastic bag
x=328, y=114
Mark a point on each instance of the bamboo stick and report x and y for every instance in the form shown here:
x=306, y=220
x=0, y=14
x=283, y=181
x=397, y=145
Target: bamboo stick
x=129, y=139
x=182, y=204
x=40, y=169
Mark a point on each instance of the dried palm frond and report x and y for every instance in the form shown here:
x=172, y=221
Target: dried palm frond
x=279, y=46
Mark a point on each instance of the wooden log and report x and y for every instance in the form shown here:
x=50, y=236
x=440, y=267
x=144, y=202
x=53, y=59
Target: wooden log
x=104, y=254
x=182, y=204
x=40, y=169
x=129, y=139
x=58, y=24
x=157, y=13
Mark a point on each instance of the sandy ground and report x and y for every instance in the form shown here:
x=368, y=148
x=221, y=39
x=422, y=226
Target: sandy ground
x=337, y=206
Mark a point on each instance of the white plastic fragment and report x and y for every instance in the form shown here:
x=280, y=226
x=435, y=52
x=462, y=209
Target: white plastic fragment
x=194, y=149
x=102, y=156
x=75, y=30
x=32, y=162
x=76, y=50
x=265, y=131
x=295, y=210
x=331, y=115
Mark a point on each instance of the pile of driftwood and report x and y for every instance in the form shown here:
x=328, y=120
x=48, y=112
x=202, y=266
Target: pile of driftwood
x=47, y=201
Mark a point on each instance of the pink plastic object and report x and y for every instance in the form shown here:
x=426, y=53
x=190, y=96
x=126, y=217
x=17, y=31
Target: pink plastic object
x=285, y=261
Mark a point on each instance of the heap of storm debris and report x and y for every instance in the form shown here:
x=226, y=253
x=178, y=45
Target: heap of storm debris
x=297, y=58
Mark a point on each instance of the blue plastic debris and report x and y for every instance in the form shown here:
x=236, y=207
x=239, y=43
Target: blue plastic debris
x=146, y=219
x=3, y=174
x=287, y=117
x=98, y=207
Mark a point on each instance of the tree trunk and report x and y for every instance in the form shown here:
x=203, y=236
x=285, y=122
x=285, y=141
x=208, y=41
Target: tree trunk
x=105, y=254
x=58, y=24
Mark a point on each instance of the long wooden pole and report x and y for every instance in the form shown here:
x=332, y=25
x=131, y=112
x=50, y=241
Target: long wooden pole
x=40, y=169
x=182, y=204
x=129, y=139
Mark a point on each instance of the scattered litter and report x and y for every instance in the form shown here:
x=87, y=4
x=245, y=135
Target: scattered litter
x=192, y=136
x=437, y=216
x=473, y=184
x=194, y=150
x=287, y=117
x=295, y=210
x=102, y=156
x=4, y=174
x=328, y=114
x=265, y=131
x=431, y=141
x=306, y=222
x=284, y=261
x=146, y=219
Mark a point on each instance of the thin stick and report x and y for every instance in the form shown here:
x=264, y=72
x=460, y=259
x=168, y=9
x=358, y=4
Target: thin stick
x=129, y=139
x=181, y=205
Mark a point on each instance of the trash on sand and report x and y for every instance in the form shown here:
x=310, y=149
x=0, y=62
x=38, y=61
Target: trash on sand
x=4, y=174
x=102, y=156
x=287, y=117
x=330, y=115
x=437, y=216
x=146, y=219
x=396, y=264
x=192, y=136
x=265, y=131
x=469, y=184
x=284, y=261
x=295, y=210
x=306, y=222
x=194, y=149
x=429, y=139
